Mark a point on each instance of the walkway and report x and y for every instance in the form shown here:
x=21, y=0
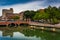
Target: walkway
x=45, y=25
x=30, y=23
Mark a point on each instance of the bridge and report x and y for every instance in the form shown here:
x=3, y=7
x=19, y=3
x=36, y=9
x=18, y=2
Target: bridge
x=8, y=23
x=17, y=23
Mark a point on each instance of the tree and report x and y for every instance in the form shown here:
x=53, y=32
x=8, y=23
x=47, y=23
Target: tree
x=53, y=14
x=15, y=18
x=58, y=13
x=41, y=15
x=50, y=14
x=29, y=14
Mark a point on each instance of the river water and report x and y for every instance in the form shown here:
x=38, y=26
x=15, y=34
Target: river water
x=27, y=34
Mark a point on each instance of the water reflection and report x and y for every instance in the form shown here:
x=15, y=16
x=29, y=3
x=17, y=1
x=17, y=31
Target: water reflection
x=27, y=34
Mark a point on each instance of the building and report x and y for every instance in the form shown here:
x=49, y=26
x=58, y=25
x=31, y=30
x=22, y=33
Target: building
x=7, y=14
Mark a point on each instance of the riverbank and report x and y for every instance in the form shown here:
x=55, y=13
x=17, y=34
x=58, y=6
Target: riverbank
x=45, y=25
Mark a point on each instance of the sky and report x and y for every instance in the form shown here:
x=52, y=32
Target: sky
x=22, y=5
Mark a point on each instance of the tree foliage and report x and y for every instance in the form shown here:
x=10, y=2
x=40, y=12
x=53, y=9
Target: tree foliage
x=50, y=13
x=29, y=14
x=15, y=17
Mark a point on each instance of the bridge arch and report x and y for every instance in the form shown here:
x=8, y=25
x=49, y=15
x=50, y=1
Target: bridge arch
x=11, y=25
x=2, y=25
x=23, y=24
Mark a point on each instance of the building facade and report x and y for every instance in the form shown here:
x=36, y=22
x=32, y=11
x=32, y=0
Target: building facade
x=7, y=14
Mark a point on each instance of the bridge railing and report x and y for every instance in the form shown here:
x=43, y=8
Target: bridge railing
x=13, y=21
x=2, y=21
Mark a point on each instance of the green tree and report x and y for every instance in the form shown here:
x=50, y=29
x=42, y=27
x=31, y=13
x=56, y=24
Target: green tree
x=29, y=14
x=15, y=18
x=53, y=14
x=58, y=13
x=41, y=15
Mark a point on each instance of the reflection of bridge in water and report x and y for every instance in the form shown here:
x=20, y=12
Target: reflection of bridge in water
x=31, y=33
x=10, y=31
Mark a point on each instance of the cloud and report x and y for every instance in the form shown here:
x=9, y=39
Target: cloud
x=22, y=7
x=35, y=5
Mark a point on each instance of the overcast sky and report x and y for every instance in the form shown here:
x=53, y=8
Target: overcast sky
x=22, y=5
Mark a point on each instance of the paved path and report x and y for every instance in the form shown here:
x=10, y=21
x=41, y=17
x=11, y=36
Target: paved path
x=45, y=25
x=30, y=23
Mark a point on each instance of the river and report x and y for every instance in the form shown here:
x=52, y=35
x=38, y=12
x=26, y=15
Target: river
x=27, y=34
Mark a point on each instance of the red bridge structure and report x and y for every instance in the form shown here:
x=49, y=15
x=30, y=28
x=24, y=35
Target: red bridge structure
x=15, y=23
x=31, y=23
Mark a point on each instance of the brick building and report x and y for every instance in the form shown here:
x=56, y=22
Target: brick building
x=8, y=13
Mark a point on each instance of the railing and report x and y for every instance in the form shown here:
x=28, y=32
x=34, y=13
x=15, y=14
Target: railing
x=2, y=21
x=14, y=21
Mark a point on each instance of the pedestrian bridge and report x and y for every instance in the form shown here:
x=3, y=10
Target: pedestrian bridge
x=7, y=23
x=31, y=23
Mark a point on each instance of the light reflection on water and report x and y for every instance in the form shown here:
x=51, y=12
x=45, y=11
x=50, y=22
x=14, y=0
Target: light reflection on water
x=22, y=36
x=7, y=35
x=28, y=34
x=17, y=36
x=0, y=33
